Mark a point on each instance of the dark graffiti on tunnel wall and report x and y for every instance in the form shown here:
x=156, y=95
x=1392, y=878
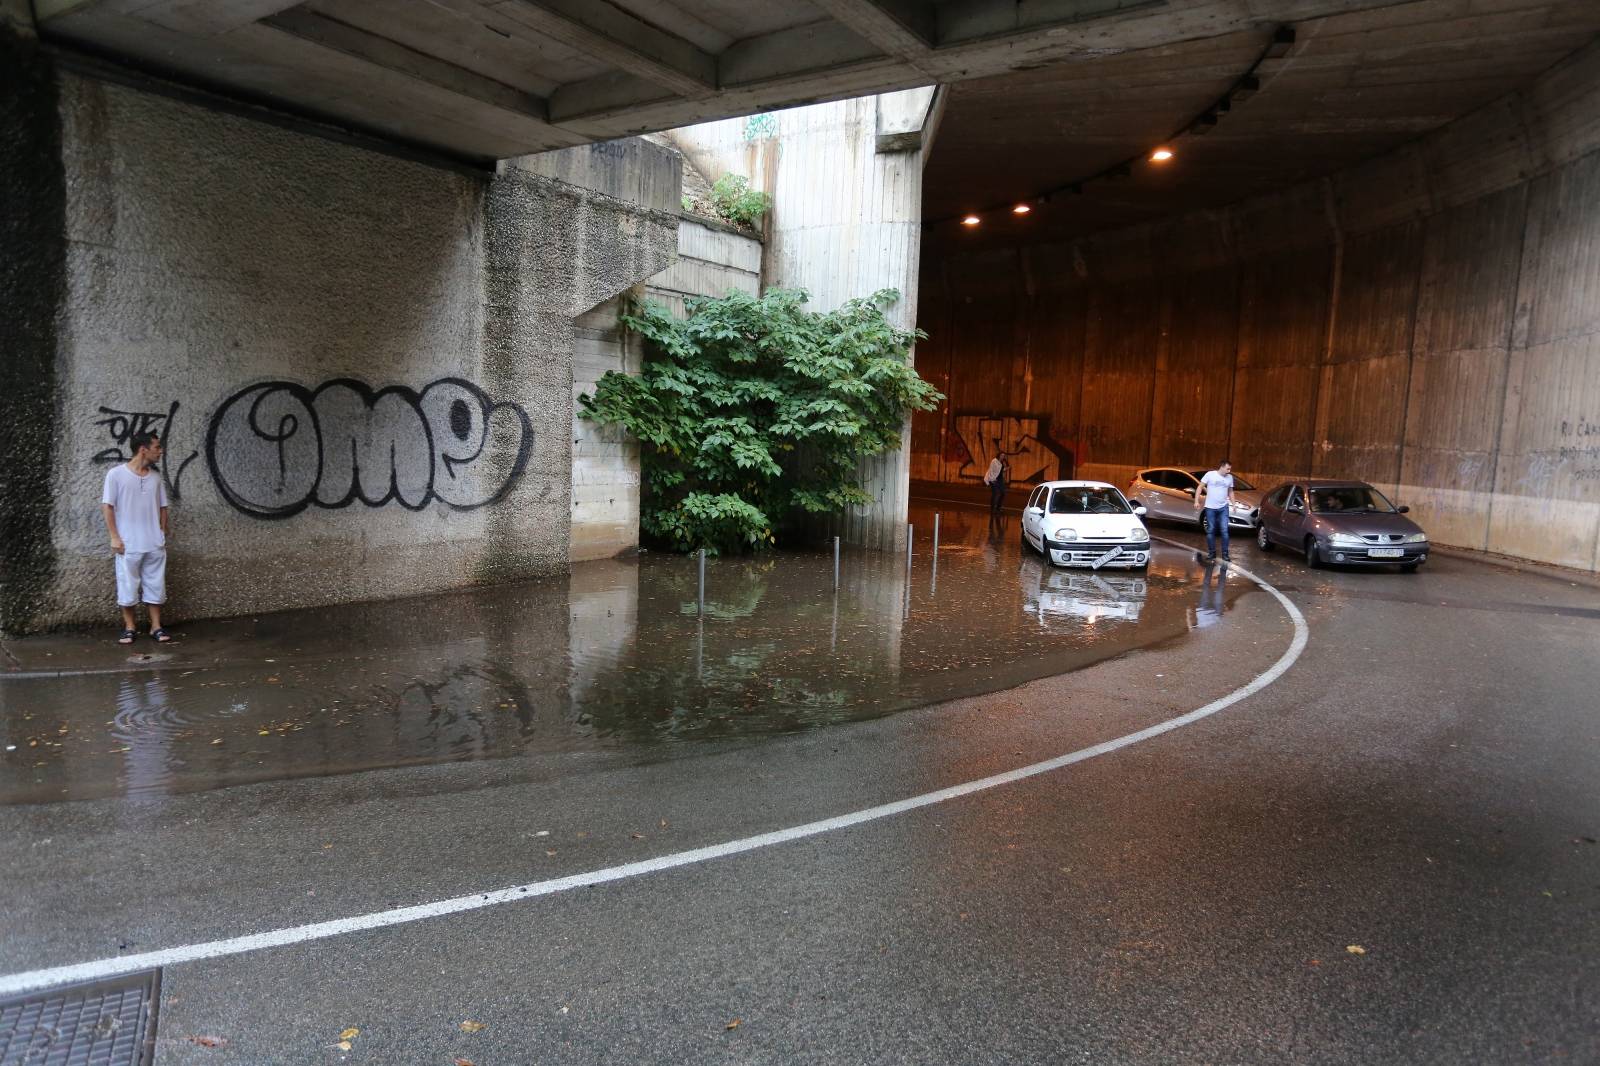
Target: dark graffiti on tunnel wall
x=276, y=448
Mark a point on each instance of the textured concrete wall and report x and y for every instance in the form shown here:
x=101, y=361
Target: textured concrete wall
x=846, y=221
x=605, y=462
x=363, y=366
x=1428, y=321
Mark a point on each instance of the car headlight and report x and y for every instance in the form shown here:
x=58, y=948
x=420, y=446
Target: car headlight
x=1416, y=538
x=1346, y=540
x=1139, y=534
x=1066, y=534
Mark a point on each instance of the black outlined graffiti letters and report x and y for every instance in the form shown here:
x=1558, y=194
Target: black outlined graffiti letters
x=1023, y=439
x=122, y=425
x=278, y=447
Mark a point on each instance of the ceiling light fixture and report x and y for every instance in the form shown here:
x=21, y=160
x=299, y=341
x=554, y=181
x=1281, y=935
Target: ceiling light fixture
x=1161, y=155
x=970, y=220
x=1021, y=209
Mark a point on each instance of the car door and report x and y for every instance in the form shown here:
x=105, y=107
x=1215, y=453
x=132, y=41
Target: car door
x=1272, y=511
x=1291, y=524
x=1177, y=495
x=1032, y=514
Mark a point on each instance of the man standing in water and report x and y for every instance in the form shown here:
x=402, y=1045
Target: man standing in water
x=134, y=503
x=996, y=477
x=1216, y=492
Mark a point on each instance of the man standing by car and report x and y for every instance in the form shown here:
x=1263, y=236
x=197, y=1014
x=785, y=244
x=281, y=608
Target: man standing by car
x=1216, y=492
x=134, y=503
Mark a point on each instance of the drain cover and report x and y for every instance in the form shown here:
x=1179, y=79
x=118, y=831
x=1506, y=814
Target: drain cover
x=97, y=1023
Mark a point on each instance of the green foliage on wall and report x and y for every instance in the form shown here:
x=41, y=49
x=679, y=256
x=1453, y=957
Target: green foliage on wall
x=737, y=202
x=754, y=413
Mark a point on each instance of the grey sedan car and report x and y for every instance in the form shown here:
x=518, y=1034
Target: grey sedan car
x=1167, y=492
x=1341, y=522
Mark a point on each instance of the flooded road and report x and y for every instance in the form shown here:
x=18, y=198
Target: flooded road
x=617, y=656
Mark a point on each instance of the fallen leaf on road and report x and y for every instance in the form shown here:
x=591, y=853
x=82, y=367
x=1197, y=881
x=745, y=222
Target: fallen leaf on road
x=471, y=1026
x=343, y=1045
x=638, y=836
x=209, y=1041
x=1356, y=949
x=350, y=1034
x=462, y=1062
x=217, y=741
x=733, y=1024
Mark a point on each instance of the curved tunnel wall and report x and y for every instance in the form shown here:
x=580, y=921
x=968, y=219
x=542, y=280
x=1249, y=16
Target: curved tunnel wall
x=1428, y=321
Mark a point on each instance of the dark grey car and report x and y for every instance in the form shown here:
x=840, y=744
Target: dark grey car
x=1345, y=522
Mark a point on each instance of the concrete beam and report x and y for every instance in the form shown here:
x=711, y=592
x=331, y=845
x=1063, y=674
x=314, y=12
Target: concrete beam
x=382, y=52
x=608, y=33
x=902, y=28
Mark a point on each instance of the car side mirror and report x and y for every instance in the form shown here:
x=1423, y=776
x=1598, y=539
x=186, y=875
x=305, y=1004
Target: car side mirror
x=1403, y=509
x=1295, y=508
x=1188, y=492
x=1140, y=510
x=1036, y=510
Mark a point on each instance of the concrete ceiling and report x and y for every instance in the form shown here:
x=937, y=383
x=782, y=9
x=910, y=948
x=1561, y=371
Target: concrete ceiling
x=1352, y=86
x=489, y=79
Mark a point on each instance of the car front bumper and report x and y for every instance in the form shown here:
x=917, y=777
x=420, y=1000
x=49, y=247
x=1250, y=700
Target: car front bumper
x=1410, y=555
x=1086, y=553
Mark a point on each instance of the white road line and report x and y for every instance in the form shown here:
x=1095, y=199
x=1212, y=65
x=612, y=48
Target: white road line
x=12, y=984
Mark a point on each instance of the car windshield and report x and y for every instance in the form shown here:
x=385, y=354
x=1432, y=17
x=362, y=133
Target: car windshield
x=1238, y=482
x=1345, y=499
x=1087, y=501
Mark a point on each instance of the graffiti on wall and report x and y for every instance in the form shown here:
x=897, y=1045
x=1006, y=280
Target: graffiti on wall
x=1024, y=440
x=121, y=427
x=277, y=448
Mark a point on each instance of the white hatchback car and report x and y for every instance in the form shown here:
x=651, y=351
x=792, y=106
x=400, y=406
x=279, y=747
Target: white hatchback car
x=1085, y=523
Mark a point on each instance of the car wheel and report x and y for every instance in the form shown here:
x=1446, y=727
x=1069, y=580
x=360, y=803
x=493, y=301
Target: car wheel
x=1262, y=541
x=1313, y=556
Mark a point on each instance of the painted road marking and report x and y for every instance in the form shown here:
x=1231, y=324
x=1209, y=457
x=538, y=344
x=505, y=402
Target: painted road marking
x=11, y=984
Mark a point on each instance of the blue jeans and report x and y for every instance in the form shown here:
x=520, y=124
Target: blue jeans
x=1216, y=522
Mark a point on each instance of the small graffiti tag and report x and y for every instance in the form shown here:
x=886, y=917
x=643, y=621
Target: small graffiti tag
x=278, y=447
x=1023, y=439
x=122, y=426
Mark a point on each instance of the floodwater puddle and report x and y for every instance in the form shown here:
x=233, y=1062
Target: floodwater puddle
x=618, y=655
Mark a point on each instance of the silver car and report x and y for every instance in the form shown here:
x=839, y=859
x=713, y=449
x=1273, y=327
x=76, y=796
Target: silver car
x=1346, y=522
x=1167, y=492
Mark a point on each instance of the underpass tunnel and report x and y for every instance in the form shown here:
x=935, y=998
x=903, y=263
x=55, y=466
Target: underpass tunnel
x=1360, y=247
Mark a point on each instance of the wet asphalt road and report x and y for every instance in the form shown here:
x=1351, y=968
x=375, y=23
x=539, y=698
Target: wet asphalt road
x=1424, y=784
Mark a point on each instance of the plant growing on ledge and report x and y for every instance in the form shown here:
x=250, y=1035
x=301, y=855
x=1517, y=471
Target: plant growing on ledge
x=754, y=413
x=737, y=202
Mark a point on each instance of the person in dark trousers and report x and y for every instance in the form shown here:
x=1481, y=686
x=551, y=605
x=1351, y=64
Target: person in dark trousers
x=1216, y=493
x=997, y=478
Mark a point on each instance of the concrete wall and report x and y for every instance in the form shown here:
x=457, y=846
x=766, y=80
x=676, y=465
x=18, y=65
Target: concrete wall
x=363, y=366
x=846, y=183
x=1429, y=321
x=712, y=261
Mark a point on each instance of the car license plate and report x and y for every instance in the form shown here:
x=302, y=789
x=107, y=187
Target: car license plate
x=1106, y=558
x=1386, y=553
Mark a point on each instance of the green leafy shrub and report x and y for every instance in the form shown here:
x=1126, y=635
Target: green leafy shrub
x=737, y=202
x=754, y=413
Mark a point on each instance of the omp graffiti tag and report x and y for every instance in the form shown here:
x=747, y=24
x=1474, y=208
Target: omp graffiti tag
x=276, y=448
x=123, y=425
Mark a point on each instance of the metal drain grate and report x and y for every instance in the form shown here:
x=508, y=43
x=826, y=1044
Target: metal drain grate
x=97, y=1023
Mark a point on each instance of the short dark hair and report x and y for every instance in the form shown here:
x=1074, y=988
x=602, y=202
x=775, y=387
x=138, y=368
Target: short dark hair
x=1224, y=463
x=142, y=440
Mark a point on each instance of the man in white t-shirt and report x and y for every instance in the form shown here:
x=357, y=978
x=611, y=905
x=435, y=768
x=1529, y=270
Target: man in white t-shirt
x=1216, y=492
x=134, y=503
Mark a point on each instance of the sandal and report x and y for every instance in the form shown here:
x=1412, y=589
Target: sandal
x=161, y=636
x=127, y=637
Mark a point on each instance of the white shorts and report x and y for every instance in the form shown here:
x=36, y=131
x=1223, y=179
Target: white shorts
x=147, y=569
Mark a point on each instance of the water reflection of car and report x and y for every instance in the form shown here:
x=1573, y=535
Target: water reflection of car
x=1167, y=492
x=1085, y=523
x=1341, y=522
x=1091, y=597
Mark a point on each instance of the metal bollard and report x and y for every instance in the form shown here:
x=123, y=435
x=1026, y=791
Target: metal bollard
x=936, y=536
x=911, y=532
x=836, y=564
x=702, y=600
